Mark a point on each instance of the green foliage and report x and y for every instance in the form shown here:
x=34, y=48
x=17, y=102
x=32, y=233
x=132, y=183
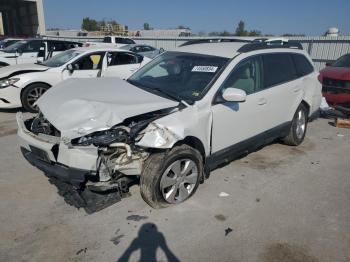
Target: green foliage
x=89, y=24
x=240, y=30
x=146, y=26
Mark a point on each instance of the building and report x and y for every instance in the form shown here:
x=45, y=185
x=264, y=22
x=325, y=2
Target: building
x=22, y=18
x=118, y=29
x=332, y=32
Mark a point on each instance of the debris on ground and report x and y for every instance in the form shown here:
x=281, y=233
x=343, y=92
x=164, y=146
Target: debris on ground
x=220, y=217
x=81, y=250
x=224, y=194
x=228, y=231
x=342, y=123
x=136, y=218
x=257, y=199
x=340, y=135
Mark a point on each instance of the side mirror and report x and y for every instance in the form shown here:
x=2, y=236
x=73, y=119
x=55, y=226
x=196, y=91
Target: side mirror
x=234, y=95
x=70, y=68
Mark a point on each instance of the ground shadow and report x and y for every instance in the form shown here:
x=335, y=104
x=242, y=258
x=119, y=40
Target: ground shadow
x=12, y=110
x=149, y=239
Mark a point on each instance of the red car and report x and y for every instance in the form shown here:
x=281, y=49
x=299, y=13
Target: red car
x=335, y=79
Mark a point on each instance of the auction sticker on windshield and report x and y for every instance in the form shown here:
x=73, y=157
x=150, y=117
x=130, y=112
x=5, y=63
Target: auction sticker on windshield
x=205, y=69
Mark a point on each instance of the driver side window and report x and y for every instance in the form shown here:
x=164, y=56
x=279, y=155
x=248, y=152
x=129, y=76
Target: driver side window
x=245, y=76
x=89, y=62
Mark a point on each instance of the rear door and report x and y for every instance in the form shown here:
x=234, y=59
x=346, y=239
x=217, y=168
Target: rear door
x=281, y=88
x=88, y=66
x=122, y=64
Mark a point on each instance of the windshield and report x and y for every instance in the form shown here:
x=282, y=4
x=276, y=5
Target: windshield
x=343, y=61
x=7, y=42
x=62, y=58
x=15, y=47
x=181, y=75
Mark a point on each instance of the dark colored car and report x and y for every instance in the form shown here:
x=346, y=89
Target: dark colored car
x=335, y=79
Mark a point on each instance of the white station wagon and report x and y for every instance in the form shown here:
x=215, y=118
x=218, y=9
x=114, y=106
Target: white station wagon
x=170, y=123
x=22, y=85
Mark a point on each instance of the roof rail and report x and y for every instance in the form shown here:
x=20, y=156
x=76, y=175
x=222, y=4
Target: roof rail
x=270, y=44
x=215, y=40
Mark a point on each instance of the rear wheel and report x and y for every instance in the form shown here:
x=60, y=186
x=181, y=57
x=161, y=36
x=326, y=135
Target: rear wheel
x=298, y=128
x=171, y=178
x=31, y=94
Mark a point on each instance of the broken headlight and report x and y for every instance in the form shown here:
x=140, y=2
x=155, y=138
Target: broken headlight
x=103, y=138
x=8, y=82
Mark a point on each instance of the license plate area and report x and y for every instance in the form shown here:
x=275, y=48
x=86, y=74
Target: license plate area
x=40, y=154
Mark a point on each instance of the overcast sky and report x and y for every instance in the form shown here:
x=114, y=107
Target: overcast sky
x=310, y=17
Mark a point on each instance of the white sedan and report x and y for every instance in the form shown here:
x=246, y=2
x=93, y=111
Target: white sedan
x=22, y=85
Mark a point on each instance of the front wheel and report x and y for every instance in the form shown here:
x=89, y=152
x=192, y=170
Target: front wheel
x=31, y=94
x=298, y=127
x=171, y=178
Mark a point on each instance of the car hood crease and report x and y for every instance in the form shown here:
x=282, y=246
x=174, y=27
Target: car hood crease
x=13, y=70
x=77, y=107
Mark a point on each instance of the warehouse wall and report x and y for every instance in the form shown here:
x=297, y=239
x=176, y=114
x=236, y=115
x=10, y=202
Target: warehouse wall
x=321, y=49
x=22, y=17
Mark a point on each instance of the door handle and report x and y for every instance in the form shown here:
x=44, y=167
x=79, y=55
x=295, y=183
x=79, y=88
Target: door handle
x=262, y=101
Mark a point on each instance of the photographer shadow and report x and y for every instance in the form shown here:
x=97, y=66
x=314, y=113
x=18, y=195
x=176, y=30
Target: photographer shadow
x=149, y=239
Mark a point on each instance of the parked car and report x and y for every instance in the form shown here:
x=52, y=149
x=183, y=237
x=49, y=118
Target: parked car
x=29, y=51
x=335, y=79
x=180, y=116
x=7, y=42
x=112, y=41
x=145, y=50
x=22, y=85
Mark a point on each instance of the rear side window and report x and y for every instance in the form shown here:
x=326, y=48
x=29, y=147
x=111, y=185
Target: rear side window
x=121, y=58
x=302, y=64
x=278, y=68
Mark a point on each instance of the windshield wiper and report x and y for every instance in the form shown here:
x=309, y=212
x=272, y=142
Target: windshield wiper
x=159, y=91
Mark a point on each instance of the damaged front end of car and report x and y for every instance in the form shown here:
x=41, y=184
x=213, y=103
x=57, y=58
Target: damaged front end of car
x=95, y=170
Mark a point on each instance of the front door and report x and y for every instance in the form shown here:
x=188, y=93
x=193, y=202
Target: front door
x=235, y=122
x=88, y=66
x=122, y=64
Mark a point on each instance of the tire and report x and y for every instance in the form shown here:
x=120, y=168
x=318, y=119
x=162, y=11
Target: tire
x=298, y=127
x=161, y=186
x=31, y=94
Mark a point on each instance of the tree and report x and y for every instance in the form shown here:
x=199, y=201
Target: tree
x=89, y=24
x=254, y=33
x=146, y=26
x=240, y=30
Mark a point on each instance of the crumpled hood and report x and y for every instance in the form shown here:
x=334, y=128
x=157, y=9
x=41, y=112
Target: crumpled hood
x=13, y=70
x=77, y=107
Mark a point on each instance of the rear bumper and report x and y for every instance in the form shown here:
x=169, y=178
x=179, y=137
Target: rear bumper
x=69, y=175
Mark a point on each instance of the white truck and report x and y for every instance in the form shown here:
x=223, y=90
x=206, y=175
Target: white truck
x=112, y=41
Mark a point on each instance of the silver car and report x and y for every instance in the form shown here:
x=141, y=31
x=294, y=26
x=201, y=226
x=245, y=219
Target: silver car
x=145, y=50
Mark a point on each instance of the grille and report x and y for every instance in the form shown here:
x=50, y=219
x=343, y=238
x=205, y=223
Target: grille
x=336, y=86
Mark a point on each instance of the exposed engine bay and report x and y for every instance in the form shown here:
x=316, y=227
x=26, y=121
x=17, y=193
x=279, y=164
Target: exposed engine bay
x=119, y=160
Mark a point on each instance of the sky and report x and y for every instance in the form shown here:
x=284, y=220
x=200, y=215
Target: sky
x=309, y=17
